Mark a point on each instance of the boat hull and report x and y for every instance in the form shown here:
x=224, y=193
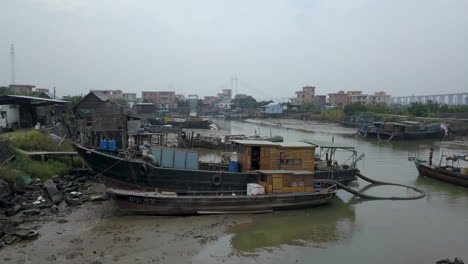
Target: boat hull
x=441, y=174
x=154, y=204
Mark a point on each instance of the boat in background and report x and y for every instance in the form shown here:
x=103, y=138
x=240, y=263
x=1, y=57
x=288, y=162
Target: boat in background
x=405, y=130
x=451, y=172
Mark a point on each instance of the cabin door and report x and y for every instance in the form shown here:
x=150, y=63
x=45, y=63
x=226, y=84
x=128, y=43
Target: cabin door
x=255, y=157
x=277, y=183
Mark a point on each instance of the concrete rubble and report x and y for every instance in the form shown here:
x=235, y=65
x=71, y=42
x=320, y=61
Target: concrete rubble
x=53, y=198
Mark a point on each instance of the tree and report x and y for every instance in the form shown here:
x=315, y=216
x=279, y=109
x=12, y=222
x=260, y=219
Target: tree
x=311, y=107
x=355, y=108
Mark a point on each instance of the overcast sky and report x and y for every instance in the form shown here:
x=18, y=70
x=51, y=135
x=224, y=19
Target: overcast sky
x=273, y=47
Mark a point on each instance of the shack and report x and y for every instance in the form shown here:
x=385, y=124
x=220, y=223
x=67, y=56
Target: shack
x=265, y=155
x=103, y=118
x=25, y=111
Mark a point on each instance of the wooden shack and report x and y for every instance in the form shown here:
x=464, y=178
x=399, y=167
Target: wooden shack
x=265, y=155
x=105, y=118
x=282, y=181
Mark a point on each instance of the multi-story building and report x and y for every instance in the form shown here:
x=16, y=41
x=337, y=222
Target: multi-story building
x=114, y=94
x=357, y=97
x=339, y=99
x=21, y=88
x=378, y=98
x=320, y=100
x=307, y=95
x=162, y=99
x=131, y=97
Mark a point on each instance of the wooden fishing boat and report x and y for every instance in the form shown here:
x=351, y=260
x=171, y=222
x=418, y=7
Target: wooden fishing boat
x=406, y=130
x=275, y=190
x=178, y=170
x=448, y=173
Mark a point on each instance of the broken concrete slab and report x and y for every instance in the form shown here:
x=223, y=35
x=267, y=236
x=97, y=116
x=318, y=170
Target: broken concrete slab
x=13, y=210
x=5, y=190
x=53, y=192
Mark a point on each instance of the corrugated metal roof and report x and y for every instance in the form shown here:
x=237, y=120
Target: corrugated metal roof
x=101, y=96
x=6, y=97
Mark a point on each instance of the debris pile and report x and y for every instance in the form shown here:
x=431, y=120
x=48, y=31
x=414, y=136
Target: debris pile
x=50, y=199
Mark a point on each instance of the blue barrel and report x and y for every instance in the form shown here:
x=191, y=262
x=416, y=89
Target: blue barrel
x=317, y=186
x=234, y=166
x=103, y=145
x=111, y=145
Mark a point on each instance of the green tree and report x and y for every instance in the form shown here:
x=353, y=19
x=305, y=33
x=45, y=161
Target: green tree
x=354, y=108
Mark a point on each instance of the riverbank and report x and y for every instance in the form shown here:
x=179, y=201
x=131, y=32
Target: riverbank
x=99, y=233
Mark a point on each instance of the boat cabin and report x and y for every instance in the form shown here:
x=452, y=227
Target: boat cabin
x=281, y=181
x=264, y=155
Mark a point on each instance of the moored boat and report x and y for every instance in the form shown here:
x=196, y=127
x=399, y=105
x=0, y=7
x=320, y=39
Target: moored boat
x=275, y=190
x=448, y=173
x=405, y=130
x=178, y=170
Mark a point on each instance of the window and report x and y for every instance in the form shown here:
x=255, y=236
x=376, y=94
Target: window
x=290, y=162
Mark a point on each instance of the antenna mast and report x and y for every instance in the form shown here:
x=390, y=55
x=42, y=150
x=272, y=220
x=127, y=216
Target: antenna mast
x=12, y=55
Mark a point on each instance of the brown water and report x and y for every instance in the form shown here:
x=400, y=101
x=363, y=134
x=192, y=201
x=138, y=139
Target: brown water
x=350, y=230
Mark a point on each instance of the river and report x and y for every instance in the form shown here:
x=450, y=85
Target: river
x=350, y=230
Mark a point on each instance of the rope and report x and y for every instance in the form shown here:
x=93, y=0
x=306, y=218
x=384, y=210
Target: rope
x=393, y=134
x=421, y=194
x=101, y=173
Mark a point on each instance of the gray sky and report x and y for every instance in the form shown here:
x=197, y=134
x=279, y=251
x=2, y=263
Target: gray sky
x=273, y=47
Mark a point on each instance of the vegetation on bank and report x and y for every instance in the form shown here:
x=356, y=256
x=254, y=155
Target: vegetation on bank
x=18, y=172
x=380, y=111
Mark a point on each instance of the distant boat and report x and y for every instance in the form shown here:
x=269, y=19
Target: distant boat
x=405, y=130
x=449, y=173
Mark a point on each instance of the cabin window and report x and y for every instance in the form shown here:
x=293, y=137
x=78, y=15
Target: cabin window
x=290, y=162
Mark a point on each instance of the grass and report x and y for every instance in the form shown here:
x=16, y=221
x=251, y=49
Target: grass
x=40, y=169
x=13, y=177
x=23, y=166
x=31, y=140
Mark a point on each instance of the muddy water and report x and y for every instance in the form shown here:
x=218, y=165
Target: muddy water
x=351, y=230
x=348, y=230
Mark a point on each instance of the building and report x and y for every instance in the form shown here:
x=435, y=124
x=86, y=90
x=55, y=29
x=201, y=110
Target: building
x=225, y=96
x=162, y=99
x=320, y=100
x=307, y=95
x=131, y=97
x=114, y=94
x=272, y=109
x=145, y=109
x=357, y=97
x=210, y=100
x=379, y=98
x=104, y=118
x=339, y=99
x=48, y=95
x=21, y=88
x=42, y=90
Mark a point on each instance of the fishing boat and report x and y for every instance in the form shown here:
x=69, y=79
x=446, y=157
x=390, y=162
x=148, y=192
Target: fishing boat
x=451, y=172
x=178, y=169
x=405, y=130
x=274, y=190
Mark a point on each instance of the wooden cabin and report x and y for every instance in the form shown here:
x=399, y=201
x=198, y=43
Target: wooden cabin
x=281, y=181
x=264, y=155
x=104, y=117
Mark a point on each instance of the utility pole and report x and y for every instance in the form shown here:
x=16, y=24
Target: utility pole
x=12, y=56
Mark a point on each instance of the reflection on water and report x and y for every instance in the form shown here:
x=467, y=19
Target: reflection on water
x=315, y=227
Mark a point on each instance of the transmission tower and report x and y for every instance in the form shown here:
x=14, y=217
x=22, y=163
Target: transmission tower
x=12, y=55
